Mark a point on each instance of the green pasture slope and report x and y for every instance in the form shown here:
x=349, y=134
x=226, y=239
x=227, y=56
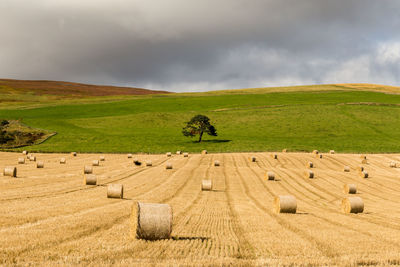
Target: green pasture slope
x=299, y=121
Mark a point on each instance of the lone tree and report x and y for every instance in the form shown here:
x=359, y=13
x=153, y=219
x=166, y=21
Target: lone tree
x=199, y=124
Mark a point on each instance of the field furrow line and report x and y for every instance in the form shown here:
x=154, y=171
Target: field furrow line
x=326, y=250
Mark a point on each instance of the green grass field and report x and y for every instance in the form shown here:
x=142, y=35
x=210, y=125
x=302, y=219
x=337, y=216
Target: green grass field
x=299, y=121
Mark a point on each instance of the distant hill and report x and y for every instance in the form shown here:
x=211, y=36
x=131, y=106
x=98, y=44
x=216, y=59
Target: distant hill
x=59, y=88
x=311, y=88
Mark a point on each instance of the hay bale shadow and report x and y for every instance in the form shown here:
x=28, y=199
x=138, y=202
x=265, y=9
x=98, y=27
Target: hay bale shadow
x=202, y=238
x=214, y=141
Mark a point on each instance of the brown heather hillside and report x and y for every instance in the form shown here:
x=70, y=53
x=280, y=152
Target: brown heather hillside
x=59, y=88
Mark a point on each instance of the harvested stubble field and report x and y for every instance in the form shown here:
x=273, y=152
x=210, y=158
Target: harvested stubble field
x=48, y=217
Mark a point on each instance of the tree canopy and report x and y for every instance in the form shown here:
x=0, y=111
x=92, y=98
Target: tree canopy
x=198, y=125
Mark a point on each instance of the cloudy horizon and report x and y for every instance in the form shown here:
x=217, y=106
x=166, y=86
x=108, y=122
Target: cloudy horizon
x=179, y=45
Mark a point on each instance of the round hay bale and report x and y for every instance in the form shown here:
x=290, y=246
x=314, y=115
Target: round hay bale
x=178, y=152
x=168, y=166
x=206, y=185
x=349, y=189
x=310, y=164
x=115, y=191
x=102, y=158
x=360, y=168
x=24, y=152
x=63, y=161
x=285, y=204
x=393, y=164
x=40, y=164
x=203, y=152
x=10, y=171
x=129, y=156
x=318, y=156
x=352, y=205
x=73, y=154
x=331, y=151
x=284, y=150
x=95, y=162
x=169, y=154
x=87, y=169
x=270, y=176
x=32, y=158
x=154, y=221
x=363, y=157
x=315, y=151
x=274, y=156
x=253, y=159
x=185, y=155
x=346, y=169
x=90, y=179
x=21, y=160
x=149, y=163
x=364, y=161
x=364, y=174
x=309, y=174
x=216, y=163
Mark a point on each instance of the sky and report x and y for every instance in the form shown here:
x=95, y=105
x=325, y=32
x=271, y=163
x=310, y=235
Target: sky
x=201, y=45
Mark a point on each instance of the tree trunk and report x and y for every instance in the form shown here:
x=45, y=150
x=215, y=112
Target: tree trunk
x=201, y=135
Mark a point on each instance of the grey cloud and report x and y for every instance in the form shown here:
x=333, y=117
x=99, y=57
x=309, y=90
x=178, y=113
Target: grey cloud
x=199, y=45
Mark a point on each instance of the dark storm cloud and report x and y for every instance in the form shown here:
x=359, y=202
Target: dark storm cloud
x=199, y=45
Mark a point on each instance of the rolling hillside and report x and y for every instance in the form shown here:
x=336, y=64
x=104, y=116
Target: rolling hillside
x=70, y=89
x=347, y=118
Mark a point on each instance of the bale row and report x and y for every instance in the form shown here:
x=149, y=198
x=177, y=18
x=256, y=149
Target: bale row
x=285, y=204
x=363, y=174
x=350, y=189
x=288, y=204
x=87, y=169
x=168, y=166
x=309, y=174
x=206, y=185
x=270, y=176
x=10, y=171
x=90, y=179
x=352, y=205
x=115, y=191
x=153, y=221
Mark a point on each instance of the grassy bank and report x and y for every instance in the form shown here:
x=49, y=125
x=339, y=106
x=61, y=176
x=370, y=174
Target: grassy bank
x=347, y=121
